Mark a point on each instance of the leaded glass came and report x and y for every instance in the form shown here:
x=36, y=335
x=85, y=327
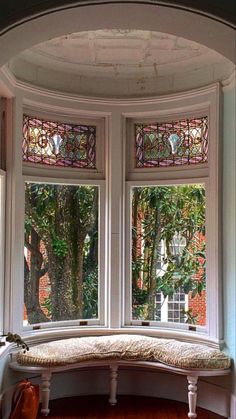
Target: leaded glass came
x=175, y=143
x=59, y=144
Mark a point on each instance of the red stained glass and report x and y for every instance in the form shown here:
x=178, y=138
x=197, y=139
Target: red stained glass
x=58, y=144
x=175, y=143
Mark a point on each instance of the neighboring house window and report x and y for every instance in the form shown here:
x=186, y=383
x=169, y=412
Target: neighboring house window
x=62, y=256
x=171, y=308
x=167, y=221
x=177, y=306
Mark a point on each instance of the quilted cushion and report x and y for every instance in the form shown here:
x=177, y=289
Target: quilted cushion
x=125, y=347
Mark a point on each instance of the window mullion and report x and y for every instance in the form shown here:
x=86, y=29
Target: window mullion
x=115, y=219
x=14, y=291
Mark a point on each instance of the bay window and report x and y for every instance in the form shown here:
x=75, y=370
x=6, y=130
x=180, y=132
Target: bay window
x=115, y=217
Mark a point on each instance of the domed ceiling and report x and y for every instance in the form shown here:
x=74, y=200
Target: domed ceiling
x=120, y=63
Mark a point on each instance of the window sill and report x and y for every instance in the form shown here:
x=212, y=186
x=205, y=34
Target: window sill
x=45, y=335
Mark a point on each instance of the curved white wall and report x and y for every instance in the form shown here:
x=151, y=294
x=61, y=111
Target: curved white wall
x=203, y=30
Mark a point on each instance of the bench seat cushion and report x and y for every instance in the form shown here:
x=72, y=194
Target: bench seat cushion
x=125, y=347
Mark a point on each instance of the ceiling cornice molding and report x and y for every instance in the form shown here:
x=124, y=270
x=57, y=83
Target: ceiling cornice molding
x=29, y=89
x=230, y=82
x=8, y=82
x=7, y=76
x=6, y=72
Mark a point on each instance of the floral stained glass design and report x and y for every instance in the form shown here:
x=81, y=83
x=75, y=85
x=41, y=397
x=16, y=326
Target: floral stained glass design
x=175, y=143
x=58, y=144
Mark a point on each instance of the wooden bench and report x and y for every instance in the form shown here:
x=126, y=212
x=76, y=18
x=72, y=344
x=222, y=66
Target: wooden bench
x=118, y=351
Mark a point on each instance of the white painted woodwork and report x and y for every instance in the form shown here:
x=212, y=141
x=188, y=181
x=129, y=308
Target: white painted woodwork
x=111, y=16
x=2, y=243
x=233, y=407
x=112, y=117
x=113, y=384
x=204, y=31
x=192, y=396
x=45, y=392
x=46, y=372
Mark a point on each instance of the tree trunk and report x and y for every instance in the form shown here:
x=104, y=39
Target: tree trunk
x=61, y=292
x=153, y=266
x=32, y=280
x=135, y=247
x=80, y=259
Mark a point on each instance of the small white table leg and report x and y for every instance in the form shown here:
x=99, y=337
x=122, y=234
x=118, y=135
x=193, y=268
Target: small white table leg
x=45, y=393
x=113, y=384
x=192, y=396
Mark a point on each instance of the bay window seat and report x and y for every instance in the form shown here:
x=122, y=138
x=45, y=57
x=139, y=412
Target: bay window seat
x=114, y=351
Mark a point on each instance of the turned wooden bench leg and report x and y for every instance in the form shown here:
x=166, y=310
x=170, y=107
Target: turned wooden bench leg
x=192, y=396
x=113, y=384
x=45, y=392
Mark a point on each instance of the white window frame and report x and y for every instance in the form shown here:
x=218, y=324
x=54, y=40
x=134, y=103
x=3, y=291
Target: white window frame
x=128, y=286
x=100, y=321
x=39, y=173
x=116, y=116
x=169, y=109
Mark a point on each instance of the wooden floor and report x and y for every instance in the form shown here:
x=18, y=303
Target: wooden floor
x=128, y=407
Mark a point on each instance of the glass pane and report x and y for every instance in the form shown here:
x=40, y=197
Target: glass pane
x=168, y=253
x=59, y=144
x=174, y=143
x=61, y=252
x=177, y=306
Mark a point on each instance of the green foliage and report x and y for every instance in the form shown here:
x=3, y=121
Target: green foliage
x=137, y=266
x=90, y=293
x=167, y=216
x=47, y=304
x=59, y=246
x=139, y=303
x=65, y=218
x=190, y=318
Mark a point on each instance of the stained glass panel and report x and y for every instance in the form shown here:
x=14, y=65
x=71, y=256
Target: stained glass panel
x=58, y=144
x=173, y=143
